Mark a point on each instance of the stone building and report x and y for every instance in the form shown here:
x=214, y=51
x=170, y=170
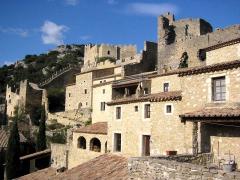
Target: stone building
x=23, y=96
x=187, y=103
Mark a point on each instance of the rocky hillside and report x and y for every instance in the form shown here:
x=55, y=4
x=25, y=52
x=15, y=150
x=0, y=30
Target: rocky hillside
x=37, y=68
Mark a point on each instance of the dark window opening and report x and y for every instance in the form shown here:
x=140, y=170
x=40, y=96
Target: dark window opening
x=85, y=91
x=168, y=109
x=108, y=52
x=136, y=108
x=95, y=145
x=147, y=111
x=81, y=143
x=117, y=142
x=146, y=145
x=118, y=112
x=145, y=90
x=165, y=87
x=103, y=105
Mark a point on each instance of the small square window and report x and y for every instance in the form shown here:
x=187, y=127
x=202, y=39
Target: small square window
x=145, y=90
x=165, y=87
x=118, y=112
x=100, y=82
x=169, y=109
x=136, y=108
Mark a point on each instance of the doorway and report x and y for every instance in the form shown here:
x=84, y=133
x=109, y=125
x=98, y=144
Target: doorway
x=146, y=145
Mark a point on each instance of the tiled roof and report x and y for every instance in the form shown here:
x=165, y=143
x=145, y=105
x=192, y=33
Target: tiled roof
x=213, y=113
x=201, y=69
x=4, y=138
x=96, y=128
x=107, y=167
x=44, y=174
x=163, y=96
x=209, y=68
x=224, y=44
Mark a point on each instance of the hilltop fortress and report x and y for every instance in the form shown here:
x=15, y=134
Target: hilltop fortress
x=180, y=95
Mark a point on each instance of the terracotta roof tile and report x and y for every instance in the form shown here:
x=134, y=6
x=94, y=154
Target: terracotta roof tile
x=213, y=113
x=224, y=44
x=44, y=174
x=163, y=96
x=4, y=135
x=107, y=166
x=96, y=128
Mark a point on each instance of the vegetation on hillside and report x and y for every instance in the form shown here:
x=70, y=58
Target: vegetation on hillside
x=37, y=68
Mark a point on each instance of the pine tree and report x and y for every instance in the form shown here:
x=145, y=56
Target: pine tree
x=13, y=153
x=41, y=137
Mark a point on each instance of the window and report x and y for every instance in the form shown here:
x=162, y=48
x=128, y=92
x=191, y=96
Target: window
x=81, y=143
x=117, y=142
x=103, y=91
x=86, y=103
x=169, y=109
x=100, y=82
x=103, y=106
x=218, y=89
x=69, y=95
x=95, y=145
x=118, y=112
x=165, y=87
x=145, y=90
x=136, y=108
x=147, y=111
x=108, y=52
x=85, y=91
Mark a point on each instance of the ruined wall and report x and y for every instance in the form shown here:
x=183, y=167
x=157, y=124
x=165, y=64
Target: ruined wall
x=188, y=36
x=101, y=94
x=59, y=155
x=153, y=168
x=132, y=127
x=78, y=156
x=224, y=54
x=127, y=51
x=147, y=63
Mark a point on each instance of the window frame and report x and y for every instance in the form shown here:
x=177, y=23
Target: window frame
x=147, y=112
x=222, y=89
x=103, y=106
x=165, y=109
x=168, y=87
x=115, y=142
x=118, y=115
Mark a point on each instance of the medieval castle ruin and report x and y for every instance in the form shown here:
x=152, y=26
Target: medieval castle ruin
x=180, y=96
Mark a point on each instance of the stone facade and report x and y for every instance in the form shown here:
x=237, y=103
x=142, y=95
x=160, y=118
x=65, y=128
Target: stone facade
x=79, y=155
x=187, y=35
x=154, y=168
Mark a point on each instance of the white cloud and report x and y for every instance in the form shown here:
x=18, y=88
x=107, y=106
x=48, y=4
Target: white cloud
x=72, y=2
x=112, y=2
x=8, y=63
x=53, y=33
x=17, y=31
x=153, y=9
x=85, y=37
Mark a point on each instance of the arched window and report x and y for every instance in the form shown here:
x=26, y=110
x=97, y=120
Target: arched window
x=95, y=145
x=108, y=52
x=81, y=142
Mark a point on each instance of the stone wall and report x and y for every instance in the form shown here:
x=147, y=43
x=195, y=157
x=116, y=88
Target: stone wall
x=147, y=63
x=77, y=155
x=101, y=94
x=154, y=168
x=189, y=35
x=224, y=54
x=59, y=155
x=80, y=94
x=132, y=127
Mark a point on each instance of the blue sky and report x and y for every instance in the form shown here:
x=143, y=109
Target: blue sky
x=36, y=26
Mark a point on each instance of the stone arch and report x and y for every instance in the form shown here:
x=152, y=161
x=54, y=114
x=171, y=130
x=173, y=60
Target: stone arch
x=82, y=142
x=95, y=145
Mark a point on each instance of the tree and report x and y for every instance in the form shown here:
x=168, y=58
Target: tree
x=41, y=137
x=13, y=152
